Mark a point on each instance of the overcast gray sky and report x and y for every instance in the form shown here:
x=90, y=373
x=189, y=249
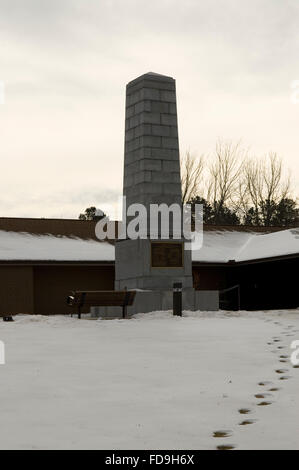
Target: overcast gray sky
x=65, y=64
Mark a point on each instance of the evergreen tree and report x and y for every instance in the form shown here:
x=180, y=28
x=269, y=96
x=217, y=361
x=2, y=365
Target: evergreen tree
x=92, y=213
x=216, y=214
x=285, y=213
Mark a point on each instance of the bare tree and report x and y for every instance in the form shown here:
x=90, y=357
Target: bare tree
x=241, y=200
x=266, y=185
x=191, y=174
x=237, y=189
x=277, y=186
x=224, y=173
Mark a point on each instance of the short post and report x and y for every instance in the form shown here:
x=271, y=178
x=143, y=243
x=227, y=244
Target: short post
x=177, y=299
x=81, y=304
x=126, y=299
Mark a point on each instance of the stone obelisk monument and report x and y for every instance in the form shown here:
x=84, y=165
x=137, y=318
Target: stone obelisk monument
x=152, y=176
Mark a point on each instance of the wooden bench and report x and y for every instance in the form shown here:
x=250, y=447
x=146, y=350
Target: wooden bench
x=101, y=298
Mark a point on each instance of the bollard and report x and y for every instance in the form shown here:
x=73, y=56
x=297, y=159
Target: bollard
x=177, y=299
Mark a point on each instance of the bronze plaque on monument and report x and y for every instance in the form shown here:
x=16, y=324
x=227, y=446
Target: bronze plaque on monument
x=167, y=255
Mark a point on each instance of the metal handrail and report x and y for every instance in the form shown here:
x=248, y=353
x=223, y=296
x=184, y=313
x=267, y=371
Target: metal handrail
x=238, y=287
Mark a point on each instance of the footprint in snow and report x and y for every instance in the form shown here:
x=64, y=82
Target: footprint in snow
x=244, y=411
x=226, y=447
x=246, y=422
x=264, y=383
x=264, y=403
x=222, y=433
x=263, y=395
x=281, y=371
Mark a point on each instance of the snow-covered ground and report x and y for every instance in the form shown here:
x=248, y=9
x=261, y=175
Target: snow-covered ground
x=152, y=382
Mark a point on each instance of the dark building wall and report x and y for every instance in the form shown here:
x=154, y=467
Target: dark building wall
x=43, y=289
x=52, y=284
x=64, y=227
x=85, y=229
x=16, y=290
x=209, y=277
x=269, y=285
x=265, y=285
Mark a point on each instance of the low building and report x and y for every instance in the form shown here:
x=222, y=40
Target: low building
x=252, y=270
x=42, y=260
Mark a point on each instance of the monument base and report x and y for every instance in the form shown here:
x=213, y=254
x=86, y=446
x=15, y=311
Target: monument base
x=159, y=300
x=135, y=269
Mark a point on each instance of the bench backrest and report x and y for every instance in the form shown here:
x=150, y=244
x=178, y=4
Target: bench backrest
x=102, y=298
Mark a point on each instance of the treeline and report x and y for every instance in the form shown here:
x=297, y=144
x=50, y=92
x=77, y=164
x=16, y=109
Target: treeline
x=238, y=189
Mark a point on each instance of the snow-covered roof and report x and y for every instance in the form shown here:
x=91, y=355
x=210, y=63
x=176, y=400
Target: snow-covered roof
x=25, y=246
x=218, y=247
x=223, y=246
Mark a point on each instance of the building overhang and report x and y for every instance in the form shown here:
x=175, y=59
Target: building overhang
x=245, y=262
